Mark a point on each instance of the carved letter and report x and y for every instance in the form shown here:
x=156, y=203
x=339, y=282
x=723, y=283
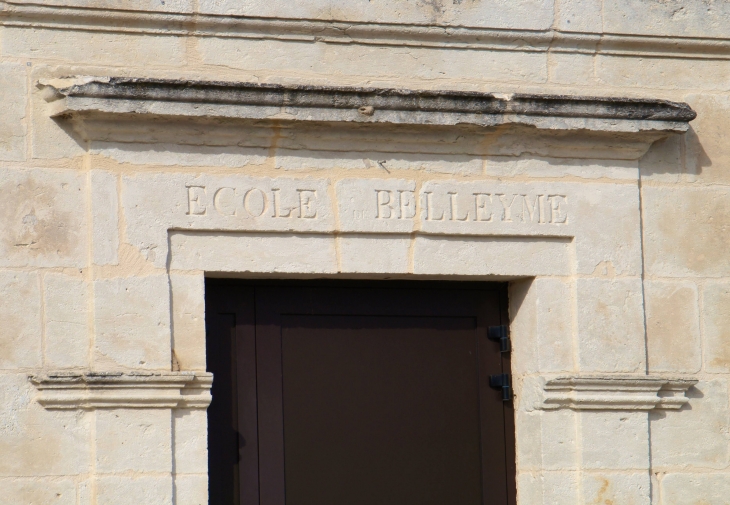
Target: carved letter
x=249, y=205
x=455, y=210
x=483, y=212
x=407, y=204
x=530, y=210
x=506, y=209
x=307, y=199
x=558, y=214
x=277, y=210
x=196, y=201
x=384, y=204
x=429, y=206
x=224, y=201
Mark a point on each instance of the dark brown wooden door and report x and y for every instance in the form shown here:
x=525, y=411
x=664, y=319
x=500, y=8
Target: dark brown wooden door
x=357, y=393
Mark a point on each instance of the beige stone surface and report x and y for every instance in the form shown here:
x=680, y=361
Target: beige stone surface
x=378, y=254
x=141, y=5
x=558, y=430
x=686, y=231
x=610, y=325
x=657, y=17
x=92, y=48
x=333, y=62
x=380, y=163
x=579, y=15
x=716, y=316
x=523, y=326
x=695, y=488
x=672, y=327
x=13, y=120
x=133, y=490
x=105, y=217
x=613, y=440
x=709, y=154
x=652, y=72
x=132, y=323
x=188, y=320
x=434, y=255
x=43, y=216
x=529, y=447
x=43, y=491
x=615, y=487
x=190, y=441
x=667, y=160
x=254, y=252
x=137, y=440
x=191, y=489
x=38, y=443
x=536, y=14
x=696, y=437
x=541, y=325
x=66, y=311
x=540, y=167
x=20, y=320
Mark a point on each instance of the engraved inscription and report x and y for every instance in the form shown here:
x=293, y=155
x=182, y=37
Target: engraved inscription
x=394, y=204
x=253, y=202
x=471, y=207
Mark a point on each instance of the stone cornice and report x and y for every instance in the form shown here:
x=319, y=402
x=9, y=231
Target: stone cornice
x=102, y=96
x=29, y=15
x=97, y=390
x=615, y=392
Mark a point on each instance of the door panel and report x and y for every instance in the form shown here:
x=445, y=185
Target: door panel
x=360, y=393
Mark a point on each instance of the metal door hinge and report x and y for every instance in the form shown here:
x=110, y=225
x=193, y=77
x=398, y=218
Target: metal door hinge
x=500, y=334
x=503, y=382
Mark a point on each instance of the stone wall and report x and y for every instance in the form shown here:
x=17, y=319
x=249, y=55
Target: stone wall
x=106, y=233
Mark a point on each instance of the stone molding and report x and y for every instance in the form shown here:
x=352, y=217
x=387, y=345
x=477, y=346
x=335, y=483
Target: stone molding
x=89, y=97
x=113, y=390
x=22, y=14
x=615, y=392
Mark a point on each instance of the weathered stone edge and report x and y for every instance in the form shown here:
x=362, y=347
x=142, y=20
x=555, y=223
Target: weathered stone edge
x=339, y=32
x=276, y=95
x=89, y=96
x=95, y=390
x=615, y=392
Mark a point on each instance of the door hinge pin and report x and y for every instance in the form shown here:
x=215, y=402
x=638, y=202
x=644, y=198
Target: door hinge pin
x=504, y=383
x=500, y=334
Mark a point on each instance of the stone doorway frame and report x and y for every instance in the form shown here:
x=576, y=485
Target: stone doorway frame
x=582, y=395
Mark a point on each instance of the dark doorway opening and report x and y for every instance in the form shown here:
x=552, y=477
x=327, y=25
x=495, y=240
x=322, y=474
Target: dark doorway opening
x=357, y=393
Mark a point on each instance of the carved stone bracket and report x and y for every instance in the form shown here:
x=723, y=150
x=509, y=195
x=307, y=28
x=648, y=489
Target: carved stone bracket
x=615, y=392
x=97, y=390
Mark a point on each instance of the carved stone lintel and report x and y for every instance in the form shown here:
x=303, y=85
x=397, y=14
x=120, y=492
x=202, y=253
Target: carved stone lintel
x=615, y=392
x=98, y=390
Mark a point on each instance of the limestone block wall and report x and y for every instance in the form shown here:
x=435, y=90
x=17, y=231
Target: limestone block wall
x=88, y=285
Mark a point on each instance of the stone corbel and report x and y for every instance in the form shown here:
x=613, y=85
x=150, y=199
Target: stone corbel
x=99, y=390
x=615, y=392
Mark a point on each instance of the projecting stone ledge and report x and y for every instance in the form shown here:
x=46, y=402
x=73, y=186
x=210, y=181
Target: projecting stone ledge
x=141, y=110
x=119, y=95
x=615, y=392
x=98, y=390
